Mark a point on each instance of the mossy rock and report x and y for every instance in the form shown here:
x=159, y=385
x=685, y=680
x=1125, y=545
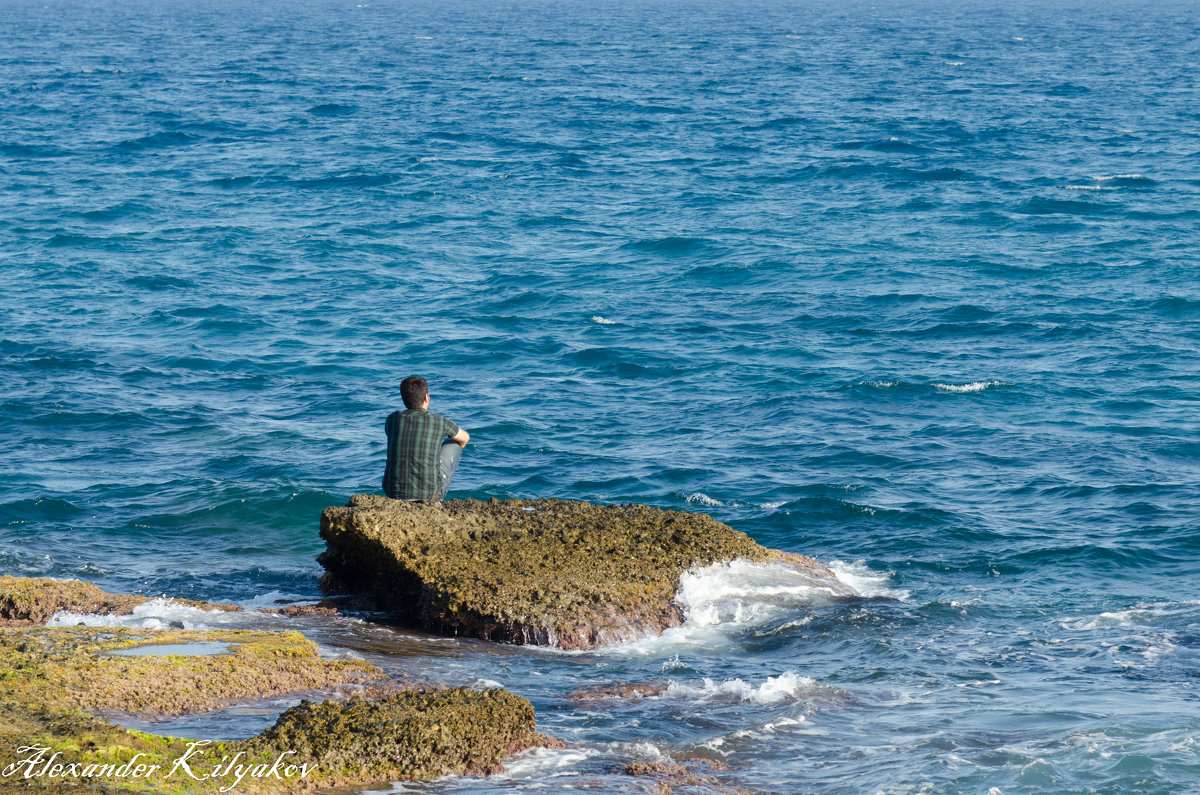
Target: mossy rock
x=57, y=683
x=552, y=572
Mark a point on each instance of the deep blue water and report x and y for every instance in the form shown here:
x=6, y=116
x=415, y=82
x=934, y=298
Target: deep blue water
x=910, y=287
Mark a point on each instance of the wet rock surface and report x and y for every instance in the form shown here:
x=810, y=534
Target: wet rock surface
x=548, y=572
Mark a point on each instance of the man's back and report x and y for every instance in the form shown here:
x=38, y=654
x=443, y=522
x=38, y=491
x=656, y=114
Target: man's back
x=414, y=441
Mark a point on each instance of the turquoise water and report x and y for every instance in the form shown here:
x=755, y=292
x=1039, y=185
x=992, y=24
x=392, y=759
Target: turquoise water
x=910, y=287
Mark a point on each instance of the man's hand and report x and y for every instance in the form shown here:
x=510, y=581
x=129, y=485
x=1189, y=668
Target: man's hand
x=461, y=438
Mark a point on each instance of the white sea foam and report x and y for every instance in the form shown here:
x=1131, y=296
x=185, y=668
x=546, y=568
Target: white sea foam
x=673, y=664
x=867, y=582
x=644, y=749
x=788, y=686
x=155, y=614
x=485, y=684
x=542, y=761
x=274, y=599
x=974, y=386
x=700, y=498
x=1088, y=187
x=1107, y=177
x=725, y=599
x=1144, y=616
x=603, y=321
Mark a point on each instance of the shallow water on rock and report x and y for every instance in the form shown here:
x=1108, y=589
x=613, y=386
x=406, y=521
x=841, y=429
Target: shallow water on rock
x=186, y=649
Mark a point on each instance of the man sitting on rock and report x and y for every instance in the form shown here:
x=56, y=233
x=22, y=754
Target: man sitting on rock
x=420, y=458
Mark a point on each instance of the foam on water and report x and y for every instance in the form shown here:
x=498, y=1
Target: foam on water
x=1147, y=615
x=974, y=386
x=788, y=686
x=865, y=580
x=721, y=601
x=538, y=762
x=154, y=614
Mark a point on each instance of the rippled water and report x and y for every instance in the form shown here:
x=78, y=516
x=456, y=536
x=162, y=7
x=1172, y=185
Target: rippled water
x=909, y=287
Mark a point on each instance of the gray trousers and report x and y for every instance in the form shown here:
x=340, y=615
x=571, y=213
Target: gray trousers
x=448, y=458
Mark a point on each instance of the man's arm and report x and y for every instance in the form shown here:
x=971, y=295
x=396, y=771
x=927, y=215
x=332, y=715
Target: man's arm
x=461, y=438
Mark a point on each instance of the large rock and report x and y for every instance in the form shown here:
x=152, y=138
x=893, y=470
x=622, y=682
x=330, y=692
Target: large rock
x=547, y=572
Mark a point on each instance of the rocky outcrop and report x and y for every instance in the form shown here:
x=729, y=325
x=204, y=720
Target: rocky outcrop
x=549, y=572
x=59, y=683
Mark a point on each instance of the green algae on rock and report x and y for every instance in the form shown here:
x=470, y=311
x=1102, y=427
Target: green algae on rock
x=410, y=736
x=53, y=681
x=549, y=572
x=74, y=667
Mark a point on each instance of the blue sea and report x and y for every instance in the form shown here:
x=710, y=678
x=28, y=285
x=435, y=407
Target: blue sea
x=908, y=286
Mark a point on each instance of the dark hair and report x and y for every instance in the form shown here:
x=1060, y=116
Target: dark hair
x=414, y=390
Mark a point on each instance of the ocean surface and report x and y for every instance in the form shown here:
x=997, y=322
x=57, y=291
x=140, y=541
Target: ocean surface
x=911, y=287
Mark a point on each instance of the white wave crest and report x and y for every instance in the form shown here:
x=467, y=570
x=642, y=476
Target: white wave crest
x=867, y=582
x=725, y=599
x=486, y=684
x=1149, y=615
x=537, y=762
x=700, y=498
x=1107, y=177
x=748, y=593
x=603, y=321
x=155, y=614
x=788, y=686
x=974, y=386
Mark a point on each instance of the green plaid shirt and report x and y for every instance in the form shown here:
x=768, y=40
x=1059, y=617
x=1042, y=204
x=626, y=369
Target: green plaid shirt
x=414, y=441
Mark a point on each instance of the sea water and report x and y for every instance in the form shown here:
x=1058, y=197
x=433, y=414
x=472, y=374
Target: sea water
x=907, y=286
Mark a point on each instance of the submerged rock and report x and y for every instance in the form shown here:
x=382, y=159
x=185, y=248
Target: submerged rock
x=549, y=572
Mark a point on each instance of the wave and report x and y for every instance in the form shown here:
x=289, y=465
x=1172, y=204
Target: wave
x=788, y=686
x=1146, y=615
x=668, y=245
x=333, y=109
x=866, y=581
x=155, y=614
x=539, y=762
x=914, y=386
x=722, y=601
x=890, y=145
x=159, y=140
x=974, y=386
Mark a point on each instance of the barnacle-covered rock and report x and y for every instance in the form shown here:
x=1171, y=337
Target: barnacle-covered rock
x=549, y=572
